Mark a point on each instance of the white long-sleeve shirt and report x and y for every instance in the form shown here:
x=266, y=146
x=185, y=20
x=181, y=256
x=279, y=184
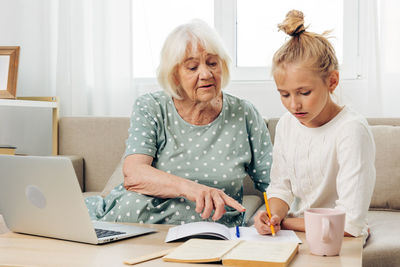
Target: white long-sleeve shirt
x=332, y=166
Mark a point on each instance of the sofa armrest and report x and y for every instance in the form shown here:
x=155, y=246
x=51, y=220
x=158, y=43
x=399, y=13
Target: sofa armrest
x=77, y=163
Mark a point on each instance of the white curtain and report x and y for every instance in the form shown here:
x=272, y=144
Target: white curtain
x=382, y=56
x=94, y=57
x=369, y=44
x=389, y=45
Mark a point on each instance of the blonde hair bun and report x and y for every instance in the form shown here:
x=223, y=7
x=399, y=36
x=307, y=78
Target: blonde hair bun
x=311, y=50
x=293, y=24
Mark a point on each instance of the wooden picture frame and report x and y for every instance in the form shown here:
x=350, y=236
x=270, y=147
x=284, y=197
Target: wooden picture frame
x=9, y=59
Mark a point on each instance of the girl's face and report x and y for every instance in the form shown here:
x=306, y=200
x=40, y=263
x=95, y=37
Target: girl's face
x=306, y=95
x=199, y=76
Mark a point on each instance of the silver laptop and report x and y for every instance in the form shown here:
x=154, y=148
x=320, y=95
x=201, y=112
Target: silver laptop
x=41, y=196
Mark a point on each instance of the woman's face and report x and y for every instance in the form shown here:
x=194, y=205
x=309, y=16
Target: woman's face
x=306, y=95
x=199, y=75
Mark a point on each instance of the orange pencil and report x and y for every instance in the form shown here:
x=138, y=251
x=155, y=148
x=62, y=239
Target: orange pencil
x=269, y=213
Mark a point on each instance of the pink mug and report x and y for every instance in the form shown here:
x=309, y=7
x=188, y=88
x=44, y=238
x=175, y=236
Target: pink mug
x=324, y=230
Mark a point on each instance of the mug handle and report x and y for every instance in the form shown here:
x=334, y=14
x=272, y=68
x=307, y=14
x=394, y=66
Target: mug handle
x=325, y=229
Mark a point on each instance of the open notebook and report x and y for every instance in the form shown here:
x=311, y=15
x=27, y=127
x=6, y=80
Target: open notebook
x=220, y=231
x=234, y=252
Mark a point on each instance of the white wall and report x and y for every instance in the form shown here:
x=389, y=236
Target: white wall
x=30, y=24
x=27, y=24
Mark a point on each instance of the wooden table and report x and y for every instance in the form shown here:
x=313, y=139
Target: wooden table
x=27, y=250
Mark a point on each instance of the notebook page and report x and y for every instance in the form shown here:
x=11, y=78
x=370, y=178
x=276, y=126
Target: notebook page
x=262, y=251
x=250, y=233
x=201, y=250
x=198, y=228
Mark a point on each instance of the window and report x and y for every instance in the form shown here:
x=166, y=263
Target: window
x=248, y=28
x=257, y=33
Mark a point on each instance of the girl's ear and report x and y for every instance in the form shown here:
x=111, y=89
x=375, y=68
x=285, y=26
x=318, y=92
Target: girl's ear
x=333, y=80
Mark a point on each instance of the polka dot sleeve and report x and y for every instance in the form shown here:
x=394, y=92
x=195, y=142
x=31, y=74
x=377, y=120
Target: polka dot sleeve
x=260, y=166
x=142, y=137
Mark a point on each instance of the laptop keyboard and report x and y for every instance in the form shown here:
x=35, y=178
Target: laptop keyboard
x=104, y=233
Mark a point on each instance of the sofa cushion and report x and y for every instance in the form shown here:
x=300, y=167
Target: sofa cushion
x=249, y=187
x=100, y=141
x=251, y=203
x=383, y=245
x=116, y=178
x=386, y=193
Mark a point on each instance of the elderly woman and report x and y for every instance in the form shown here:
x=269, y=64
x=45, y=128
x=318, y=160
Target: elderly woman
x=191, y=145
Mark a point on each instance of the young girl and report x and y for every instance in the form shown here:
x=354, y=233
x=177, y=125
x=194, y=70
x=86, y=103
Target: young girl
x=324, y=153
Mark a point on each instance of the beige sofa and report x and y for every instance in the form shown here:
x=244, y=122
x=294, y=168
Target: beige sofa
x=96, y=144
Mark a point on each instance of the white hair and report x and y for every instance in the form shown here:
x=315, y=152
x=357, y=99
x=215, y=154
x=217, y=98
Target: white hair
x=194, y=33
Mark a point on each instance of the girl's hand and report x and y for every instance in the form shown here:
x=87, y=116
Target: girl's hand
x=208, y=199
x=263, y=223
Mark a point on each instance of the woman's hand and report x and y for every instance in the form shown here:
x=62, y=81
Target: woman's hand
x=141, y=177
x=208, y=199
x=263, y=223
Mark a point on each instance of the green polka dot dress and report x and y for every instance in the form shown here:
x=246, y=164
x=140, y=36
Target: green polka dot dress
x=220, y=154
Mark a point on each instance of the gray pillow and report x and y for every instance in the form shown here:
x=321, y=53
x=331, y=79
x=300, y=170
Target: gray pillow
x=386, y=194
